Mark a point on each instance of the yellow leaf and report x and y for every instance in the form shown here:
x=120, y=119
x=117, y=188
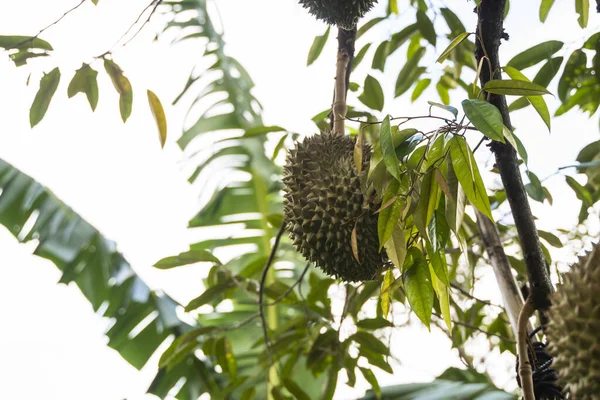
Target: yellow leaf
x=358, y=152
x=354, y=242
x=386, y=294
x=441, y=291
x=159, y=116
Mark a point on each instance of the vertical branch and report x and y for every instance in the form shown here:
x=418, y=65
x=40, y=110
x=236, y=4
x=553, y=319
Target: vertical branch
x=345, y=55
x=513, y=299
x=525, y=370
x=489, y=32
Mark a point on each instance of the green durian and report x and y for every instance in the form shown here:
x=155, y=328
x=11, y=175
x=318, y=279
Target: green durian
x=324, y=202
x=574, y=328
x=343, y=13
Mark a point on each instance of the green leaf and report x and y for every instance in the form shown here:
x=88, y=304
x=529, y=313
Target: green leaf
x=521, y=149
x=409, y=73
x=581, y=192
x=85, y=81
x=548, y=71
x=514, y=88
x=485, y=117
x=159, y=116
x=455, y=42
x=534, y=187
x=545, y=9
x=451, y=109
x=536, y=101
x=399, y=38
x=225, y=357
x=441, y=291
x=372, y=379
x=330, y=385
x=426, y=27
x=373, y=324
x=419, y=89
x=208, y=295
x=388, y=149
x=535, y=54
x=395, y=246
x=455, y=200
x=393, y=6
x=48, y=86
x=23, y=42
x=122, y=86
x=582, y=7
x=368, y=25
x=417, y=285
x=372, y=95
x=380, y=56
x=360, y=55
x=552, y=239
x=386, y=295
x=453, y=22
x=317, y=47
x=388, y=216
x=443, y=93
x=187, y=258
x=369, y=341
x=21, y=57
x=518, y=104
x=295, y=389
x=467, y=173
x=262, y=130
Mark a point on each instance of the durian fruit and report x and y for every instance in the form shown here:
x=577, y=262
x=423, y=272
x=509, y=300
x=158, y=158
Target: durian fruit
x=343, y=13
x=574, y=328
x=323, y=203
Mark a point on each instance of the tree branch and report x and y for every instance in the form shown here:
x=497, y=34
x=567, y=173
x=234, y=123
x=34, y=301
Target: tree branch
x=345, y=55
x=513, y=300
x=489, y=32
x=525, y=370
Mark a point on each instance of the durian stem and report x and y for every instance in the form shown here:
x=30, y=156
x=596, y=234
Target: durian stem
x=525, y=371
x=339, y=104
x=511, y=295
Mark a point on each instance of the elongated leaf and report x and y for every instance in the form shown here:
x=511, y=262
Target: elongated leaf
x=451, y=109
x=389, y=216
x=514, y=88
x=419, y=89
x=409, y=73
x=426, y=27
x=380, y=56
x=329, y=388
x=485, y=117
x=582, y=7
x=366, y=339
x=85, y=81
x=455, y=42
x=443, y=295
x=368, y=25
x=467, y=173
x=262, y=130
x=360, y=55
x=159, y=116
x=372, y=379
x=417, y=285
x=317, y=47
x=455, y=200
x=295, y=389
x=23, y=42
x=545, y=9
x=551, y=238
x=536, y=101
x=395, y=247
x=453, y=22
x=388, y=149
x=535, y=54
x=123, y=87
x=187, y=258
x=208, y=295
x=548, y=71
x=48, y=86
x=372, y=95
x=386, y=293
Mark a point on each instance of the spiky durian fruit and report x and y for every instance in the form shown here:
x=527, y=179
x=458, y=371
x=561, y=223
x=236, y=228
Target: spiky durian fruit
x=323, y=204
x=343, y=13
x=574, y=328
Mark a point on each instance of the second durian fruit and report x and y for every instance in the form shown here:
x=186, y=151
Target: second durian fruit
x=324, y=203
x=342, y=13
x=574, y=328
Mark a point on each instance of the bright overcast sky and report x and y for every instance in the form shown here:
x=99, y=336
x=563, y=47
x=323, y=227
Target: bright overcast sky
x=117, y=177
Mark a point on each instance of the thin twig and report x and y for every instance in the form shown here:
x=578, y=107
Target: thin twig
x=262, y=287
x=478, y=329
x=525, y=370
x=52, y=24
x=284, y=295
x=469, y=295
x=154, y=3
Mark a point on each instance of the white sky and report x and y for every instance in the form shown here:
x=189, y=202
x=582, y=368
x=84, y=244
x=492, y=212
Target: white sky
x=117, y=177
